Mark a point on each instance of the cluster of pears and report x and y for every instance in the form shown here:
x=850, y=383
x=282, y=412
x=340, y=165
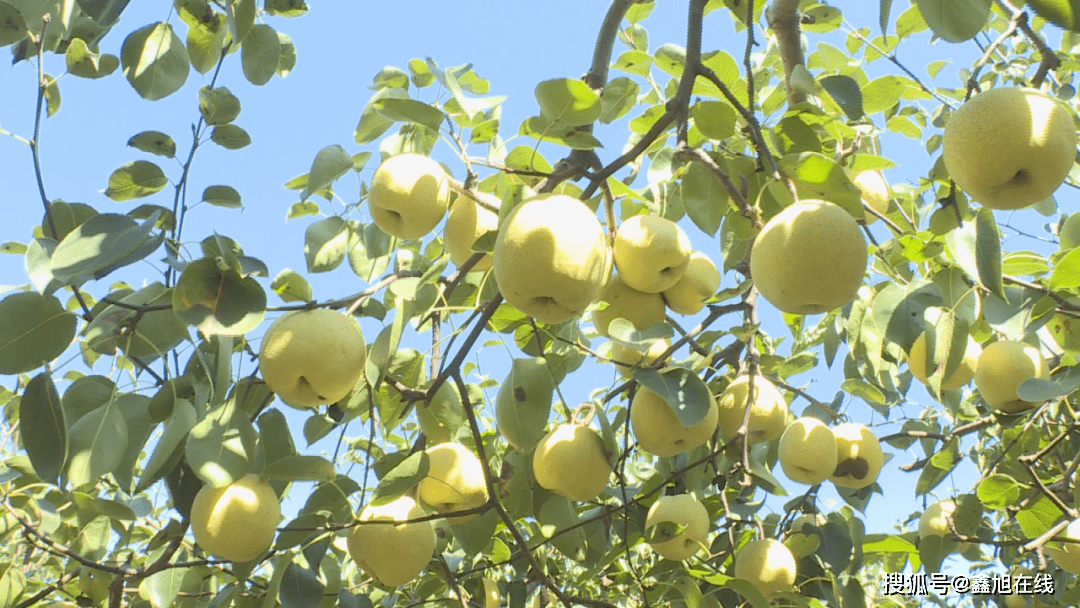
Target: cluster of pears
x=998, y=370
x=397, y=551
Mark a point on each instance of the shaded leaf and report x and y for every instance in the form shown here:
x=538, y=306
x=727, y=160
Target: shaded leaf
x=955, y=20
x=682, y=389
x=260, y=54
x=96, y=444
x=101, y=244
x=230, y=137
x=219, y=447
x=34, y=329
x=154, y=142
x=218, y=301
x=42, y=427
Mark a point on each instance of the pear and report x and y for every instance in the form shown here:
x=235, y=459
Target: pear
x=455, y=481
x=237, y=521
x=1009, y=147
x=679, y=511
x=651, y=252
x=858, y=456
x=551, y=258
x=408, y=195
x=768, y=414
x=698, y=283
x=392, y=553
x=570, y=461
x=768, y=564
x=1001, y=368
x=658, y=430
x=809, y=258
x=312, y=357
x=807, y=451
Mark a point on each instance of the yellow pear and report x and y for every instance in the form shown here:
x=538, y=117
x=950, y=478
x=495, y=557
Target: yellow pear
x=627, y=358
x=807, y=451
x=1010, y=148
x=392, y=553
x=961, y=376
x=409, y=195
x=935, y=520
x=658, y=430
x=1067, y=555
x=768, y=414
x=570, y=461
x=312, y=357
x=809, y=258
x=1002, y=367
x=237, y=521
x=620, y=301
x=768, y=564
x=467, y=222
x=679, y=511
x=698, y=283
x=858, y=456
x=455, y=481
x=551, y=258
x=874, y=191
x=651, y=252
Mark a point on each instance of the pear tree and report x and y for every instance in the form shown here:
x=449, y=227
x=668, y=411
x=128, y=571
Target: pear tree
x=772, y=311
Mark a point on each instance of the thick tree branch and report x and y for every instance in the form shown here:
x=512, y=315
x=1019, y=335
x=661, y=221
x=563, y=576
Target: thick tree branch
x=783, y=19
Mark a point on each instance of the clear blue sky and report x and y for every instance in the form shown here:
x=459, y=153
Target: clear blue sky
x=340, y=47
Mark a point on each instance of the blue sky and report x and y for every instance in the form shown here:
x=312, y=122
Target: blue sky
x=340, y=47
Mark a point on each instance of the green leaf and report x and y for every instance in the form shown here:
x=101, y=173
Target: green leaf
x=543, y=129
x=222, y=196
x=162, y=588
x=206, y=41
x=42, y=427
x=409, y=110
x=34, y=329
x=999, y=491
x=634, y=62
x=1037, y=390
x=955, y=20
x=441, y=419
x=941, y=464
x=671, y=58
x=170, y=447
x=135, y=180
x=298, y=467
x=822, y=178
x=326, y=243
x=218, y=106
x=291, y=286
x=704, y=198
x=96, y=444
x=155, y=61
x=101, y=244
x=285, y=8
x=85, y=64
x=1062, y=13
x=682, y=389
x=1066, y=274
x=218, y=301
x=715, y=119
x=220, y=447
x=372, y=124
x=619, y=97
x=241, y=16
x=300, y=588
x=401, y=478
x=330, y=164
x=566, y=101
x=154, y=142
x=845, y=91
x=988, y=251
x=260, y=54
x=523, y=403
x=230, y=137
x=12, y=26
x=883, y=93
